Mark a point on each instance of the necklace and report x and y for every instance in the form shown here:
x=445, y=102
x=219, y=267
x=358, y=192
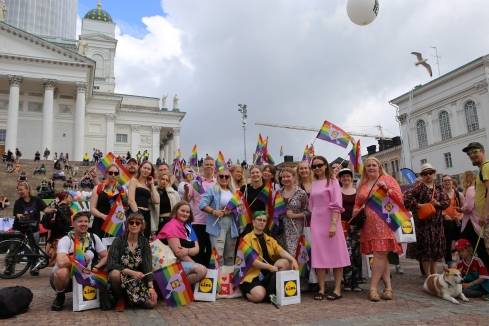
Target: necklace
x=132, y=245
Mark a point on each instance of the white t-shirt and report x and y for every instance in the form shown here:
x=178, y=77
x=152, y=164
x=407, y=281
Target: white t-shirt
x=66, y=246
x=225, y=197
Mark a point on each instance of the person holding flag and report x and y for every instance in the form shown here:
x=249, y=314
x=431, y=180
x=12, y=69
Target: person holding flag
x=259, y=280
x=92, y=250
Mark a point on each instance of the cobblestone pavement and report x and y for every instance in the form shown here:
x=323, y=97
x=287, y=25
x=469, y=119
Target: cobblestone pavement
x=411, y=306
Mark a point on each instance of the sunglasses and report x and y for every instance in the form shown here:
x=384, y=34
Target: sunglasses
x=428, y=173
x=473, y=152
x=317, y=166
x=113, y=173
x=222, y=176
x=261, y=220
x=137, y=223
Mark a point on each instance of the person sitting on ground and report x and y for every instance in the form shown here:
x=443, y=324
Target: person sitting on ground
x=95, y=254
x=475, y=274
x=130, y=266
x=180, y=236
x=4, y=202
x=22, y=176
x=259, y=281
x=37, y=156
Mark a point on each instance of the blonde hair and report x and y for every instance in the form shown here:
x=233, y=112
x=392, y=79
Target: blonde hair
x=468, y=179
x=307, y=179
x=236, y=184
x=364, y=170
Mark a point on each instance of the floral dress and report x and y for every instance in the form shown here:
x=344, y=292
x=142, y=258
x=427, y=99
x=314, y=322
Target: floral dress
x=137, y=290
x=294, y=228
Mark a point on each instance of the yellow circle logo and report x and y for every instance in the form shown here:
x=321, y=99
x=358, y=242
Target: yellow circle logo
x=290, y=288
x=205, y=286
x=89, y=293
x=407, y=228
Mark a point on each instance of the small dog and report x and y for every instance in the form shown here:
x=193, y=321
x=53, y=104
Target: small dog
x=447, y=286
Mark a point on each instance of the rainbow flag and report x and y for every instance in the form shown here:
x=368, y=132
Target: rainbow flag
x=197, y=185
x=214, y=261
x=334, y=134
x=105, y=162
x=173, y=285
x=389, y=209
x=356, y=157
x=79, y=206
x=305, y=155
x=114, y=222
x=193, y=157
x=265, y=193
x=245, y=256
x=178, y=155
x=95, y=279
x=245, y=215
x=234, y=202
x=303, y=256
x=220, y=162
x=279, y=211
x=109, y=159
x=78, y=252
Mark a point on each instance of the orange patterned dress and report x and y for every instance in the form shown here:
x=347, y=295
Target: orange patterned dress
x=376, y=235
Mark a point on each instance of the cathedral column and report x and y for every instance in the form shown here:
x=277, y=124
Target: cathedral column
x=110, y=132
x=48, y=115
x=79, y=135
x=155, y=150
x=135, y=140
x=13, y=113
x=175, y=141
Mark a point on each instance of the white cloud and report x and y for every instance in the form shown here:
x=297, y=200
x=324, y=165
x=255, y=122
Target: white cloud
x=296, y=62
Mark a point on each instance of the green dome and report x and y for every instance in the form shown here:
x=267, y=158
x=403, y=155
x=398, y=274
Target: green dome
x=99, y=14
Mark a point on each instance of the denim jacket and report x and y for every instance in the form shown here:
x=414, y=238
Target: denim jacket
x=212, y=198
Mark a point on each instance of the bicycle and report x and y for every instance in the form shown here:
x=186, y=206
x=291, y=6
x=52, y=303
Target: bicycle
x=19, y=254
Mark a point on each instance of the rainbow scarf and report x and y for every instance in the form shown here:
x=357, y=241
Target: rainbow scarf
x=214, y=260
x=114, y=222
x=193, y=157
x=78, y=250
x=245, y=256
x=392, y=212
x=356, y=157
x=334, y=134
x=303, y=256
x=173, y=285
x=220, y=162
x=78, y=265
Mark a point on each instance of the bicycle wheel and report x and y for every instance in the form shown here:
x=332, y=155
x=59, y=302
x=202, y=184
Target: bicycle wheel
x=14, y=258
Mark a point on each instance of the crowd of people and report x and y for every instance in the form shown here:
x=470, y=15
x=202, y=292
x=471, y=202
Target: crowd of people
x=323, y=203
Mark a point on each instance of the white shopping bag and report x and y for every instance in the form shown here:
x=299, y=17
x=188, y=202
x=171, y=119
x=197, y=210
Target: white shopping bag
x=85, y=297
x=6, y=224
x=406, y=233
x=206, y=289
x=161, y=255
x=367, y=261
x=312, y=274
x=288, y=288
x=226, y=289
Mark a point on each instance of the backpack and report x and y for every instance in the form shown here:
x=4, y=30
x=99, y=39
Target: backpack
x=14, y=300
x=480, y=175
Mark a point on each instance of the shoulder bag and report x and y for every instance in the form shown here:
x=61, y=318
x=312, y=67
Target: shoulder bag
x=427, y=210
x=360, y=218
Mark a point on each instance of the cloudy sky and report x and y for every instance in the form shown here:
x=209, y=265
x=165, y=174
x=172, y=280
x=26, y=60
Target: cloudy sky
x=292, y=62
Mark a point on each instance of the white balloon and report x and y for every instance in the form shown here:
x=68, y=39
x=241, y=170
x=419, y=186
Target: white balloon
x=362, y=12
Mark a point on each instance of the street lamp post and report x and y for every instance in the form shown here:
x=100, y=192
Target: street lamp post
x=244, y=115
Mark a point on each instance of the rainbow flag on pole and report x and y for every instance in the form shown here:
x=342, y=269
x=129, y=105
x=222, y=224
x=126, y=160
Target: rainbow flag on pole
x=109, y=159
x=245, y=256
x=215, y=258
x=234, y=202
x=279, y=211
x=78, y=265
x=114, y=222
x=356, y=157
x=334, y=134
x=173, y=285
x=193, y=157
x=303, y=256
x=265, y=193
x=389, y=209
x=105, y=162
x=220, y=162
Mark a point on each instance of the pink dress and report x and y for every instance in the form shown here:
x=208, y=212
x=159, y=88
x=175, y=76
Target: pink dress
x=327, y=252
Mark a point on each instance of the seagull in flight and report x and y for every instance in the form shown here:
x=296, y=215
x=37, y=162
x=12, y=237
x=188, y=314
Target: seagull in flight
x=423, y=62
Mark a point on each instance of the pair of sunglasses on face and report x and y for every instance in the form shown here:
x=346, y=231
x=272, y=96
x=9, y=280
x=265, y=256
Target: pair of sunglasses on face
x=224, y=176
x=113, y=173
x=427, y=173
x=317, y=166
x=136, y=223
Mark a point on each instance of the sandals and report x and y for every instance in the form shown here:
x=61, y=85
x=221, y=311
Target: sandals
x=373, y=295
x=333, y=296
x=319, y=296
x=387, y=294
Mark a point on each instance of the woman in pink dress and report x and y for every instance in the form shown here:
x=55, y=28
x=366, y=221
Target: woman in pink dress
x=328, y=243
x=376, y=237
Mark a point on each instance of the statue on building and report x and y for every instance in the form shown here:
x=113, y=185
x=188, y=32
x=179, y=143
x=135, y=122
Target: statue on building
x=3, y=10
x=164, y=106
x=175, y=103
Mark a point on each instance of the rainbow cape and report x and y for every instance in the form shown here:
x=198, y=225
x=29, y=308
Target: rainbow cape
x=220, y=162
x=245, y=256
x=303, y=256
x=214, y=260
x=173, y=285
x=193, y=156
x=356, y=157
x=114, y=222
x=334, y=134
x=392, y=212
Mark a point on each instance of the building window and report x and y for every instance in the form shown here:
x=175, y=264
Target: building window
x=121, y=138
x=64, y=109
x=3, y=104
x=423, y=161
x=34, y=107
x=448, y=160
x=446, y=132
x=397, y=165
x=421, y=132
x=386, y=167
x=471, y=116
x=3, y=135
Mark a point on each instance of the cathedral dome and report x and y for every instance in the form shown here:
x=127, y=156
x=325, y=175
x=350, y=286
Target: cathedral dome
x=98, y=14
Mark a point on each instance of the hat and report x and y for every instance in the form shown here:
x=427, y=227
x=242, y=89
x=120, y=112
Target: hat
x=462, y=244
x=474, y=145
x=132, y=159
x=345, y=171
x=79, y=208
x=427, y=167
x=259, y=213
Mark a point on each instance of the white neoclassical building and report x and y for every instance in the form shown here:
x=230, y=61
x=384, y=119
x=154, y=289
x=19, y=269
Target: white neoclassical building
x=60, y=95
x=441, y=117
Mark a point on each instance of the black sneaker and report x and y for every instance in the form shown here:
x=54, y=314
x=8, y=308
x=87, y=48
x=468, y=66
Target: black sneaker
x=59, y=302
x=9, y=270
x=34, y=272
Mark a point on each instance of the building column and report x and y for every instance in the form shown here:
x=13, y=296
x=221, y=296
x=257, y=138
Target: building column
x=167, y=152
x=176, y=141
x=110, y=132
x=48, y=115
x=430, y=130
x=13, y=113
x=79, y=136
x=135, y=139
x=405, y=141
x=155, y=151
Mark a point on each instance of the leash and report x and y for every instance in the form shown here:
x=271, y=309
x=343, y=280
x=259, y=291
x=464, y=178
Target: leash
x=474, y=254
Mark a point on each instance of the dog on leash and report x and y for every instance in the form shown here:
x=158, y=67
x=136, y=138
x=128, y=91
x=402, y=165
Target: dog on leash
x=447, y=286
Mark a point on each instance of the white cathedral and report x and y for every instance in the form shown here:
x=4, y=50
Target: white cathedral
x=58, y=93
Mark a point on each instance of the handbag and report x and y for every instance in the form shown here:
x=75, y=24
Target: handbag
x=427, y=210
x=359, y=220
